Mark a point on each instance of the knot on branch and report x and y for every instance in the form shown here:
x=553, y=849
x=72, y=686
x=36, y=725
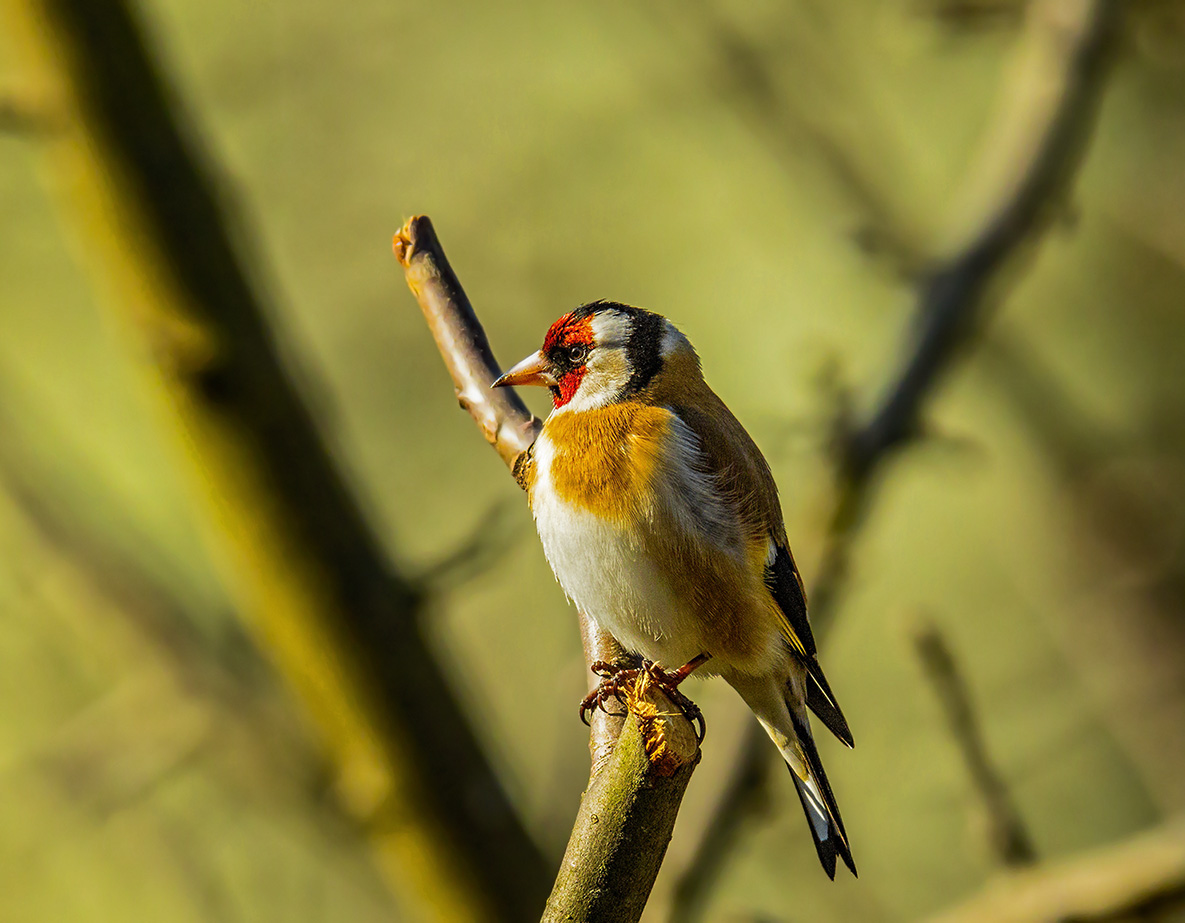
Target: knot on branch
x=667, y=736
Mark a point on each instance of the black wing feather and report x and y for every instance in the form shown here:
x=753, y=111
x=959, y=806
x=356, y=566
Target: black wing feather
x=785, y=584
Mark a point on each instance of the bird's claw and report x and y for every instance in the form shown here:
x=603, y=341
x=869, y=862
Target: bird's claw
x=617, y=678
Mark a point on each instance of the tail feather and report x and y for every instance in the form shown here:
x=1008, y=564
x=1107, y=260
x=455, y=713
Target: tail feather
x=818, y=802
x=821, y=701
x=820, y=824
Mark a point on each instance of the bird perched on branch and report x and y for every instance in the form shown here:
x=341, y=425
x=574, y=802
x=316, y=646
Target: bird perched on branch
x=660, y=518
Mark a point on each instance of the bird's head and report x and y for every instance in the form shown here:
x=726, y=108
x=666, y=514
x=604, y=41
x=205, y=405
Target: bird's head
x=600, y=353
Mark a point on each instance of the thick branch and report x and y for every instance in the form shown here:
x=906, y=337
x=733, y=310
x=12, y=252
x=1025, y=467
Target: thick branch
x=1139, y=878
x=640, y=764
x=339, y=622
x=625, y=820
x=1006, y=831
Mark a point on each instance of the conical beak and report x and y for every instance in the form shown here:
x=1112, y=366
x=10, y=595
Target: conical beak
x=534, y=370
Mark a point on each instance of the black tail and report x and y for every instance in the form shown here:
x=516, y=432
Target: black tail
x=821, y=700
x=822, y=813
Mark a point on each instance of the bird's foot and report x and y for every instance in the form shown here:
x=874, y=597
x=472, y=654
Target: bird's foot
x=618, y=679
x=615, y=679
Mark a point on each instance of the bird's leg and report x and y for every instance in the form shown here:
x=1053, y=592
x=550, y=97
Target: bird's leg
x=616, y=678
x=669, y=684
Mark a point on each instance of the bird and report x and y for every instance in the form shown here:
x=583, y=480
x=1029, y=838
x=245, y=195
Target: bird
x=660, y=518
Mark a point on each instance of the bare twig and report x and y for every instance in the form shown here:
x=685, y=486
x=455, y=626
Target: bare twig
x=500, y=414
x=1139, y=878
x=1006, y=831
x=478, y=553
x=640, y=764
x=1029, y=161
x=340, y=622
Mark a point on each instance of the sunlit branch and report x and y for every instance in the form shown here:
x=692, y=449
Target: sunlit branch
x=641, y=764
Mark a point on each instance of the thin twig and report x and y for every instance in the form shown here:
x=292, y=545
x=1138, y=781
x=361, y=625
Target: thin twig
x=1031, y=157
x=641, y=764
x=1006, y=831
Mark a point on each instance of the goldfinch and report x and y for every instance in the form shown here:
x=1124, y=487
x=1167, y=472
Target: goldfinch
x=660, y=518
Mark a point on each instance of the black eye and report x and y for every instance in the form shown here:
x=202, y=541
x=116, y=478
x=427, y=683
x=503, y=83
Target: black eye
x=577, y=354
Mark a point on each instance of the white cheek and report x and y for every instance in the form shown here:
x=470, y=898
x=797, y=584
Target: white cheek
x=604, y=379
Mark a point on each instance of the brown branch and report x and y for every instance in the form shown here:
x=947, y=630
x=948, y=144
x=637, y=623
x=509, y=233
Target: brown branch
x=1030, y=158
x=1138, y=878
x=1047, y=114
x=340, y=622
x=641, y=764
x=1006, y=831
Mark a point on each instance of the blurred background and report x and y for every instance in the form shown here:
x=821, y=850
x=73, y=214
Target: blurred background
x=778, y=178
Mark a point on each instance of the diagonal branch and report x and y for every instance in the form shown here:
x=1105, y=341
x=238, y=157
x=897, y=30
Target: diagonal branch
x=1027, y=166
x=1047, y=112
x=1026, y=170
x=641, y=764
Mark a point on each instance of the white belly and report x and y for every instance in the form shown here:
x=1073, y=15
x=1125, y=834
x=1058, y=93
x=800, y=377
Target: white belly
x=604, y=570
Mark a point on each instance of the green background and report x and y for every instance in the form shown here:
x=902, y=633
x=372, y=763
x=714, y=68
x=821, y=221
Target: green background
x=154, y=768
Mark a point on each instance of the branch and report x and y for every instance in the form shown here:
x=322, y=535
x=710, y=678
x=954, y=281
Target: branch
x=1006, y=831
x=1138, y=878
x=1029, y=161
x=641, y=764
x=1026, y=169
x=340, y=623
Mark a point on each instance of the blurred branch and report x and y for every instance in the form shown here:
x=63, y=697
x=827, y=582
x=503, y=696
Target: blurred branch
x=1138, y=878
x=339, y=621
x=1026, y=170
x=641, y=764
x=783, y=120
x=485, y=546
x=1030, y=158
x=20, y=115
x=746, y=795
x=1006, y=831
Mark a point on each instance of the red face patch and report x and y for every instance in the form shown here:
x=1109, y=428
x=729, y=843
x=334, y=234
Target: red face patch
x=565, y=334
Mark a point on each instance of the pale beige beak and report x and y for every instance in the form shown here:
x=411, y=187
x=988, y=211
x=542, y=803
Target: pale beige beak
x=534, y=370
